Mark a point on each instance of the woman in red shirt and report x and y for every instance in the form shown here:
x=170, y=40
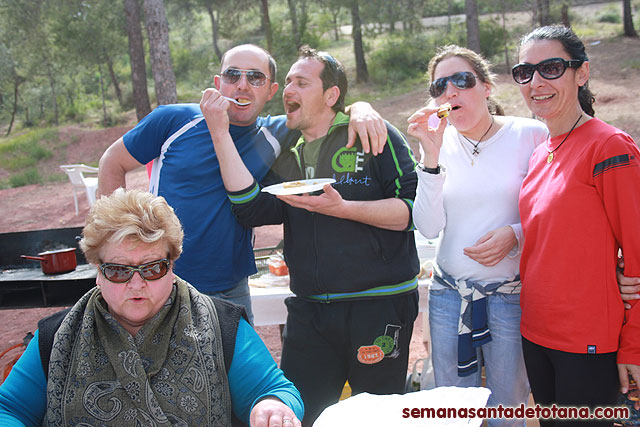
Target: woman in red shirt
x=579, y=204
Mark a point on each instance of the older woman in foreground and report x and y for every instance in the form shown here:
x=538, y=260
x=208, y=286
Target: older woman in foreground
x=143, y=346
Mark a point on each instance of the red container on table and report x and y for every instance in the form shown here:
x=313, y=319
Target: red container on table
x=277, y=266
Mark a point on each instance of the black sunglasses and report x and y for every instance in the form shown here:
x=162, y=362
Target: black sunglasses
x=254, y=77
x=120, y=273
x=552, y=68
x=461, y=80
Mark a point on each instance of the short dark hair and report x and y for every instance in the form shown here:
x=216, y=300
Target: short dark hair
x=574, y=47
x=332, y=74
x=273, y=68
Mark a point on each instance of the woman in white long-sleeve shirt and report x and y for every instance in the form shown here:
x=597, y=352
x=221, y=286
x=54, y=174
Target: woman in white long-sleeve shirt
x=469, y=181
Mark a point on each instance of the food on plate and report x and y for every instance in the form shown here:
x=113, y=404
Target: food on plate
x=444, y=110
x=293, y=184
x=298, y=187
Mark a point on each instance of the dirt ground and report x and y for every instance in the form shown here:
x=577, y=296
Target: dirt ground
x=47, y=206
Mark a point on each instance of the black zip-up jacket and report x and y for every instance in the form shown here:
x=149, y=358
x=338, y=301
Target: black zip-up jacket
x=326, y=254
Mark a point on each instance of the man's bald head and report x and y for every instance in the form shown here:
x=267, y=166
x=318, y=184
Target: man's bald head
x=273, y=69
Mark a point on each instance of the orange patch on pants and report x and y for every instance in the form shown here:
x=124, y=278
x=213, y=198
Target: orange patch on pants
x=370, y=354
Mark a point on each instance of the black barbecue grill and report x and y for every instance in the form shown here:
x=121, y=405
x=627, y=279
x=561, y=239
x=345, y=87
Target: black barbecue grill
x=22, y=283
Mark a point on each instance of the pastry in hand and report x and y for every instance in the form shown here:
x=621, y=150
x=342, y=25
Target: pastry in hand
x=443, y=110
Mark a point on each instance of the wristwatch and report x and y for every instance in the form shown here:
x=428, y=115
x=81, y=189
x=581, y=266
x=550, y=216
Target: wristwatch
x=434, y=171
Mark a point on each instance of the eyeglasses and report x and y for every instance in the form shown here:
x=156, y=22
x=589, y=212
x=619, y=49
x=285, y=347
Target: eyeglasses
x=549, y=69
x=461, y=80
x=120, y=273
x=254, y=77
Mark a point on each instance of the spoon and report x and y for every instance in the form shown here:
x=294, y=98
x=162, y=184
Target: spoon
x=242, y=104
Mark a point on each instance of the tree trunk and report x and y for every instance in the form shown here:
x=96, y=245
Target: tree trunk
x=564, y=15
x=136, y=56
x=266, y=24
x=104, y=105
x=392, y=16
x=336, y=27
x=17, y=81
x=627, y=17
x=362, y=75
x=294, y=21
x=544, y=15
x=54, y=95
x=214, y=32
x=473, y=26
x=304, y=19
x=503, y=7
x=114, y=80
x=410, y=16
x=161, y=67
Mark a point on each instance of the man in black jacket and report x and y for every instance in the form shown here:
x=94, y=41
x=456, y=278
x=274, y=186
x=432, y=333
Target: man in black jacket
x=350, y=250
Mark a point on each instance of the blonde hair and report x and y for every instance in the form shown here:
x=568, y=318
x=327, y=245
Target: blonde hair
x=131, y=214
x=481, y=67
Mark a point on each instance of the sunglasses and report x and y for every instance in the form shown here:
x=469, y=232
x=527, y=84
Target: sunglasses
x=549, y=69
x=461, y=80
x=120, y=273
x=254, y=77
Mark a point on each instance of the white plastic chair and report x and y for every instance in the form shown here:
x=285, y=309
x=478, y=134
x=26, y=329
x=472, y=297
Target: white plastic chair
x=80, y=182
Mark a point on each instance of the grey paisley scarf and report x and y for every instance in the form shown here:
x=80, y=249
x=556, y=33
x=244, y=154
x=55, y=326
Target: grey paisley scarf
x=171, y=373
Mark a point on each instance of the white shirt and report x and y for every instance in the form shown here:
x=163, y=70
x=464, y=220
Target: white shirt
x=464, y=201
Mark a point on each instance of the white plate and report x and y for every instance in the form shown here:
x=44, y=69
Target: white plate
x=308, y=186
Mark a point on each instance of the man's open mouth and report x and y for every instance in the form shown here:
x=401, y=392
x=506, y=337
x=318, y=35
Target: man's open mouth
x=291, y=106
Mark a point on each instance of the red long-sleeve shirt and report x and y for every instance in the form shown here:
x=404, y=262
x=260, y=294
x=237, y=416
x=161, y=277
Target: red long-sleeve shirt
x=576, y=212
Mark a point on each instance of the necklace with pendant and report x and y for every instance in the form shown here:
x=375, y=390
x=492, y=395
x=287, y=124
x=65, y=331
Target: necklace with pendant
x=550, y=156
x=476, y=150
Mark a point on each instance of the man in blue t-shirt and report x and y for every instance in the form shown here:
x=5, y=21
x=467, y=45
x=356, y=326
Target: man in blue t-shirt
x=217, y=256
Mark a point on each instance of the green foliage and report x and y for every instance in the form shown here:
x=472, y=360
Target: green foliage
x=74, y=112
x=26, y=177
x=405, y=56
x=492, y=37
x=26, y=150
x=441, y=7
x=58, y=45
x=632, y=63
x=611, y=15
x=195, y=65
x=284, y=44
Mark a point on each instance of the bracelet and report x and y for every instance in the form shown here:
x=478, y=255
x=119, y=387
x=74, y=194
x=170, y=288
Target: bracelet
x=434, y=171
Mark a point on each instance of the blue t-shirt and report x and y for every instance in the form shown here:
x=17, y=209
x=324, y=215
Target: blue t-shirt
x=253, y=375
x=217, y=251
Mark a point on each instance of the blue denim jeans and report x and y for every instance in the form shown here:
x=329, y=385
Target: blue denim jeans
x=238, y=294
x=501, y=358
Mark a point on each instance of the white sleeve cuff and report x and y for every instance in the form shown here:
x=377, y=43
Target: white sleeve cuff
x=517, y=229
